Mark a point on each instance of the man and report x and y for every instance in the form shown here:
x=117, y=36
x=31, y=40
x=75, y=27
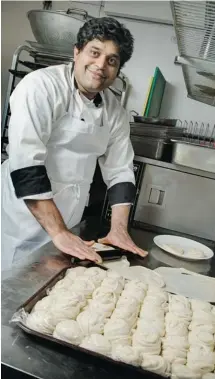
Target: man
x=63, y=118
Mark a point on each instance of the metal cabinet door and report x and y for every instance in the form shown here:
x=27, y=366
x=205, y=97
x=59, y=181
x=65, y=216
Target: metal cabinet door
x=177, y=201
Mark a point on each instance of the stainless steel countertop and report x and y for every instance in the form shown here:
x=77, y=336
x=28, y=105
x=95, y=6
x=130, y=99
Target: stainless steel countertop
x=41, y=360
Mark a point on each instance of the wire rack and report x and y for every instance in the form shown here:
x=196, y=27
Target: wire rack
x=199, y=133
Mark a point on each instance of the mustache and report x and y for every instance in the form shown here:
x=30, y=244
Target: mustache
x=96, y=71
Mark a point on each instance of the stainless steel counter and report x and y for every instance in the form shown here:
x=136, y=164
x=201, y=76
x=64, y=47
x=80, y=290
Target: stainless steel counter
x=23, y=354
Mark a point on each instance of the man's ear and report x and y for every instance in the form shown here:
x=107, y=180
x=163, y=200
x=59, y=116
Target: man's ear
x=76, y=52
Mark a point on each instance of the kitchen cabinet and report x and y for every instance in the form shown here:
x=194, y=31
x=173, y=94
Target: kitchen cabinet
x=154, y=11
x=177, y=201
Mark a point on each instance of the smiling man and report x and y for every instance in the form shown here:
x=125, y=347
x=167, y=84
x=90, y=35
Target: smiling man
x=63, y=119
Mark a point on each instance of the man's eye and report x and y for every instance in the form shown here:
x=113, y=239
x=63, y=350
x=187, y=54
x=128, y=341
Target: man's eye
x=113, y=61
x=94, y=53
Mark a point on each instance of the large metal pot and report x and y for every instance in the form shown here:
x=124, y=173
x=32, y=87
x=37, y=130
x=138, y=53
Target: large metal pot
x=58, y=28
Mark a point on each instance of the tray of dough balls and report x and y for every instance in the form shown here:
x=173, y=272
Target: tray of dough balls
x=128, y=322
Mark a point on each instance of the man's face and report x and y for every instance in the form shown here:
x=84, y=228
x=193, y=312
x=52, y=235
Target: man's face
x=96, y=66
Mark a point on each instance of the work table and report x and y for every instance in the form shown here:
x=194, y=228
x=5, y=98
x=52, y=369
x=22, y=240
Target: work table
x=24, y=356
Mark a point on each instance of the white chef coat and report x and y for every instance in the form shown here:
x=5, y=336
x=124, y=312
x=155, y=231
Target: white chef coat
x=55, y=138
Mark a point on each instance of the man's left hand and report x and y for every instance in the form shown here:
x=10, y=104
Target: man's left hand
x=122, y=239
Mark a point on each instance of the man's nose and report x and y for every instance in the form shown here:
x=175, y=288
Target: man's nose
x=101, y=62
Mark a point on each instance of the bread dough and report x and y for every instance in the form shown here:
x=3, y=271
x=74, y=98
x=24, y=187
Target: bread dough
x=115, y=275
x=201, y=326
x=91, y=322
x=200, y=358
x=197, y=336
x=147, y=342
x=69, y=331
x=126, y=314
x=64, y=283
x=157, y=326
x=175, y=356
x=127, y=300
x=83, y=285
x=151, y=313
x=97, y=343
x=156, y=364
x=180, y=306
x=41, y=321
x=175, y=342
x=205, y=317
x=103, y=292
x=117, y=332
x=155, y=301
x=210, y=375
x=183, y=372
x=64, y=308
x=96, y=274
x=43, y=305
x=158, y=292
x=195, y=253
x=174, y=249
x=175, y=326
x=126, y=354
x=198, y=305
x=104, y=304
x=113, y=284
x=74, y=272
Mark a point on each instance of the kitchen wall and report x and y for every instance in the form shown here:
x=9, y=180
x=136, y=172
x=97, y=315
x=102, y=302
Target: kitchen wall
x=154, y=46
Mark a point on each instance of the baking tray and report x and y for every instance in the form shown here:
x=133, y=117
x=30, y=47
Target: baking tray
x=155, y=121
x=159, y=131
x=150, y=147
x=29, y=304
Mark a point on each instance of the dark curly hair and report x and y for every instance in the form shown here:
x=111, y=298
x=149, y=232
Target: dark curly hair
x=107, y=28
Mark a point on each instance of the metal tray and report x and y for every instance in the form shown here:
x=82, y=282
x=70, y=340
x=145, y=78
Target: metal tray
x=193, y=155
x=160, y=131
x=155, y=121
x=149, y=147
x=29, y=304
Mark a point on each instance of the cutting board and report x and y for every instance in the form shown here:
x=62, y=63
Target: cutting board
x=156, y=94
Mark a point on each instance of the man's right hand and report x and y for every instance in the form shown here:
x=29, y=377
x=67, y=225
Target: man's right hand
x=72, y=245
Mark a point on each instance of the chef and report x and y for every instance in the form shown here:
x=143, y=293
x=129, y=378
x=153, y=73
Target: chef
x=63, y=119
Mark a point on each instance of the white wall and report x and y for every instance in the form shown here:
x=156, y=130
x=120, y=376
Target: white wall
x=154, y=46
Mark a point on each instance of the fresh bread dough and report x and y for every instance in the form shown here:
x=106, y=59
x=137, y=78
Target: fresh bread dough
x=113, y=284
x=91, y=322
x=156, y=364
x=74, y=272
x=175, y=326
x=195, y=253
x=175, y=356
x=41, y=321
x=155, y=301
x=205, y=317
x=210, y=375
x=127, y=300
x=180, y=306
x=183, y=372
x=158, y=292
x=96, y=274
x=201, y=359
x=83, y=285
x=157, y=326
x=147, y=342
x=64, y=283
x=202, y=326
x=103, y=292
x=196, y=337
x=126, y=354
x=117, y=332
x=65, y=308
x=104, y=304
x=43, y=305
x=126, y=314
x=199, y=305
x=97, y=343
x=69, y=331
x=174, y=249
x=175, y=342
x=151, y=313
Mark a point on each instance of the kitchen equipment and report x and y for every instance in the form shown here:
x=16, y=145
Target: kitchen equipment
x=20, y=316
x=194, y=23
x=57, y=28
x=150, y=147
x=155, y=121
x=159, y=131
x=196, y=156
x=165, y=241
x=175, y=198
x=156, y=94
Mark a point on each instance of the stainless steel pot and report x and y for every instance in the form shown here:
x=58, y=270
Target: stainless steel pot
x=58, y=28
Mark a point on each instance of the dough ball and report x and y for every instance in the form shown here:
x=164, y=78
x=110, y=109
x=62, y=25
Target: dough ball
x=96, y=274
x=158, y=292
x=126, y=314
x=175, y=326
x=197, y=337
x=156, y=364
x=157, y=326
x=97, y=343
x=115, y=275
x=91, y=323
x=74, y=272
x=199, y=305
x=202, y=326
x=126, y=300
x=64, y=283
x=43, y=305
x=195, y=253
x=113, y=285
x=180, y=306
x=69, y=331
x=126, y=354
x=201, y=359
x=175, y=356
x=117, y=332
x=183, y=372
x=147, y=342
x=103, y=292
x=151, y=313
x=104, y=305
x=175, y=342
x=174, y=249
x=155, y=301
x=41, y=321
x=83, y=285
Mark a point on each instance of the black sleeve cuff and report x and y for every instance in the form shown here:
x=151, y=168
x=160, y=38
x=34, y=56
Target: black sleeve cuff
x=31, y=180
x=122, y=193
